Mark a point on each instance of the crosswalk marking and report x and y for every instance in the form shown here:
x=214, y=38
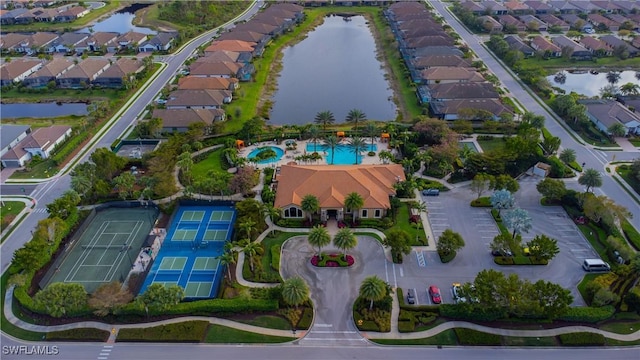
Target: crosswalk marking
x=420, y=257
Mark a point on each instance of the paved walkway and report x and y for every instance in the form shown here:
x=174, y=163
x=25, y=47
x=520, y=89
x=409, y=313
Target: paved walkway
x=29, y=205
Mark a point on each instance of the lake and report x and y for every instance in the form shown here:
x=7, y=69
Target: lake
x=120, y=22
x=589, y=84
x=334, y=68
x=42, y=110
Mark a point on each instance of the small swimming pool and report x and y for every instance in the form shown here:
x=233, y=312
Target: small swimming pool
x=343, y=155
x=279, y=153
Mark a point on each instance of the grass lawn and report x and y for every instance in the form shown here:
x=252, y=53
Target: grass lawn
x=77, y=95
x=42, y=170
x=490, y=145
x=402, y=222
x=8, y=327
x=582, y=286
x=625, y=174
x=590, y=233
x=81, y=22
x=71, y=120
x=212, y=162
x=612, y=342
x=219, y=334
x=621, y=327
x=635, y=142
x=529, y=341
x=558, y=63
x=278, y=239
x=148, y=17
x=269, y=321
x=362, y=233
x=447, y=337
x=9, y=211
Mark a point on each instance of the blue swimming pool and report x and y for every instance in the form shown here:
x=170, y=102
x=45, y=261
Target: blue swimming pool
x=279, y=154
x=343, y=155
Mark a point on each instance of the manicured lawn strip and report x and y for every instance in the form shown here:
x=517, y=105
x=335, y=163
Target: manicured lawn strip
x=56, y=26
x=613, y=342
x=590, y=232
x=8, y=327
x=268, y=321
x=402, y=223
x=582, y=286
x=42, y=170
x=71, y=120
x=529, y=341
x=560, y=63
x=373, y=235
x=581, y=339
x=490, y=145
x=278, y=239
x=71, y=95
x=188, y=331
x=212, y=162
x=219, y=334
x=625, y=174
x=80, y=334
x=474, y=337
x=10, y=208
x=447, y=337
x=621, y=327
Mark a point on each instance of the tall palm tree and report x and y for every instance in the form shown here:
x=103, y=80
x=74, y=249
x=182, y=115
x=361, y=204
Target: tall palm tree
x=247, y=226
x=251, y=249
x=331, y=142
x=310, y=204
x=227, y=258
x=354, y=116
x=371, y=130
x=373, y=289
x=590, y=178
x=630, y=89
x=358, y=144
x=345, y=240
x=295, y=291
x=354, y=202
x=319, y=236
x=314, y=135
x=325, y=118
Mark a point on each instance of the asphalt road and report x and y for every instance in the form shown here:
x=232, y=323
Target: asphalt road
x=592, y=157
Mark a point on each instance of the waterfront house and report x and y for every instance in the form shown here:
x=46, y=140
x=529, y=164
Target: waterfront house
x=615, y=42
x=545, y=47
x=457, y=91
x=623, y=20
x=131, y=40
x=41, y=142
x=48, y=72
x=83, y=74
x=99, y=41
x=606, y=113
x=256, y=26
x=17, y=70
x=223, y=69
x=44, y=15
x=231, y=45
x=162, y=41
x=516, y=43
x=429, y=61
x=35, y=43
x=578, y=51
x=198, y=99
x=426, y=41
x=9, y=17
x=122, y=72
x=203, y=83
x=179, y=120
x=72, y=14
x=468, y=109
x=443, y=75
x=597, y=47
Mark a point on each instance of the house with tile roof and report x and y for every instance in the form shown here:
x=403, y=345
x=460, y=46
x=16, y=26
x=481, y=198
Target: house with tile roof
x=41, y=142
x=198, y=99
x=518, y=8
x=604, y=23
x=256, y=26
x=223, y=69
x=627, y=6
x=11, y=135
x=66, y=42
x=99, y=41
x=606, y=113
x=553, y=20
x=17, y=70
x=44, y=15
x=494, y=7
x=564, y=7
x=35, y=43
x=203, y=83
x=131, y=40
x=116, y=75
x=83, y=74
x=231, y=45
x=577, y=23
x=476, y=8
x=179, y=120
x=468, y=109
x=456, y=91
x=578, y=51
x=162, y=41
x=597, y=47
x=606, y=6
x=426, y=41
x=510, y=21
x=539, y=7
x=72, y=14
x=516, y=43
x=331, y=185
x=614, y=42
x=490, y=24
x=533, y=23
x=429, y=61
x=261, y=40
x=623, y=20
x=48, y=72
x=443, y=75
x=545, y=47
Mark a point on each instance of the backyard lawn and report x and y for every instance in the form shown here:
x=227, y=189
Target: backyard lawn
x=212, y=162
x=493, y=144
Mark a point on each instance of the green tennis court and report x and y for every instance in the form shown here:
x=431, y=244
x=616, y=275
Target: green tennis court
x=184, y=235
x=192, y=215
x=215, y=235
x=172, y=263
x=205, y=263
x=198, y=289
x=221, y=216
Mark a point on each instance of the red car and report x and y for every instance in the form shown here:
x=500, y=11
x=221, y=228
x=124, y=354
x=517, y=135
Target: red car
x=434, y=292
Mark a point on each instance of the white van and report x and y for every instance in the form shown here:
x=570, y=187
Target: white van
x=595, y=265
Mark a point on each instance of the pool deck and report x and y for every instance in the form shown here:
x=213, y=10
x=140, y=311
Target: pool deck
x=290, y=155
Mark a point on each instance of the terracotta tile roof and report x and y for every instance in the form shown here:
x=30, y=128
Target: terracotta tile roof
x=102, y=38
x=471, y=90
x=595, y=44
x=231, y=45
x=441, y=73
x=184, y=117
x=220, y=55
x=44, y=138
x=440, y=60
x=123, y=67
x=202, y=83
x=426, y=41
x=15, y=68
x=454, y=106
x=53, y=68
x=132, y=37
x=516, y=6
x=216, y=68
x=197, y=97
x=41, y=39
x=11, y=40
x=87, y=68
x=255, y=26
x=248, y=36
x=542, y=44
x=331, y=184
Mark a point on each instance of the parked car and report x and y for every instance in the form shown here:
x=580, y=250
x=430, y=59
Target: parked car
x=431, y=192
x=502, y=252
x=411, y=299
x=456, y=289
x=434, y=292
x=581, y=220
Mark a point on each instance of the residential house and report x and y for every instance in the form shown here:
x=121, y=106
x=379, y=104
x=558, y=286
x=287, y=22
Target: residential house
x=623, y=20
x=179, y=120
x=220, y=55
x=516, y=43
x=131, y=40
x=510, y=21
x=615, y=42
x=597, y=47
x=120, y=74
x=606, y=113
x=67, y=42
x=627, y=6
x=162, y=41
x=83, y=74
x=24, y=18
x=603, y=23
x=554, y=21
x=457, y=91
x=435, y=50
x=44, y=15
x=11, y=41
x=256, y=26
x=231, y=45
x=533, y=23
x=48, y=72
x=494, y=8
x=606, y=6
x=429, y=61
x=518, y=8
x=578, y=51
x=17, y=70
x=443, y=75
x=223, y=69
x=203, y=83
x=41, y=142
x=474, y=7
x=11, y=135
x=72, y=14
x=490, y=24
x=9, y=17
x=198, y=99
x=636, y=42
x=260, y=40
x=545, y=47
x=585, y=6
x=35, y=43
x=577, y=23
x=332, y=184
x=99, y=42
x=426, y=41
x=564, y=7
x=468, y=109
x=539, y=7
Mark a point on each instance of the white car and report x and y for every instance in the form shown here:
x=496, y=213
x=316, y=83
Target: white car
x=457, y=295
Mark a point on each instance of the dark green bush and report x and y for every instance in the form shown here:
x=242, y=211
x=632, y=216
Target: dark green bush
x=588, y=314
x=471, y=313
x=445, y=258
x=268, y=175
x=582, y=339
x=631, y=233
x=80, y=334
x=501, y=260
x=189, y=331
x=484, y=201
x=68, y=147
x=204, y=307
x=406, y=326
x=275, y=257
x=305, y=319
x=473, y=337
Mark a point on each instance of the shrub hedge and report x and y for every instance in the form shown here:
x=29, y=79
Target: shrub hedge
x=588, y=314
x=80, y=334
x=631, y=233
x=471, y=313
x=306, y=319
x=484, y=201
x=275, y=257
x=582, y=339
x=188, y=331
x=68, y=147
x=473, y=337
x=445, y=258
x=204, y=307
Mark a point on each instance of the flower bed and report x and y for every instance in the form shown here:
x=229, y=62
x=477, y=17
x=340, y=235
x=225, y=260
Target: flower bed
x=332, y=260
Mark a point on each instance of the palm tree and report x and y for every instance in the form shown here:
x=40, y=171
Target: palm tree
x=591, y=178
x=325, y=118
x=247, y=226
x=331, y=142
x=319, y=236
x=295, y=291
x=613, y=77
x=385, y=156
x=251, y=249
x=314, y=135
x=310, y=204
x=345, y=240
x=464, y=153
x=354, y=116
x=630, y=89
x=227, y=258
x=371, y=130
x=81, y=184
x=358, y=144
x=373, y=289
x=354, y=202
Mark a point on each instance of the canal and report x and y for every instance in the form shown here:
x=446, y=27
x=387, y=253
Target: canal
x=588, y=83
x=42, y=110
